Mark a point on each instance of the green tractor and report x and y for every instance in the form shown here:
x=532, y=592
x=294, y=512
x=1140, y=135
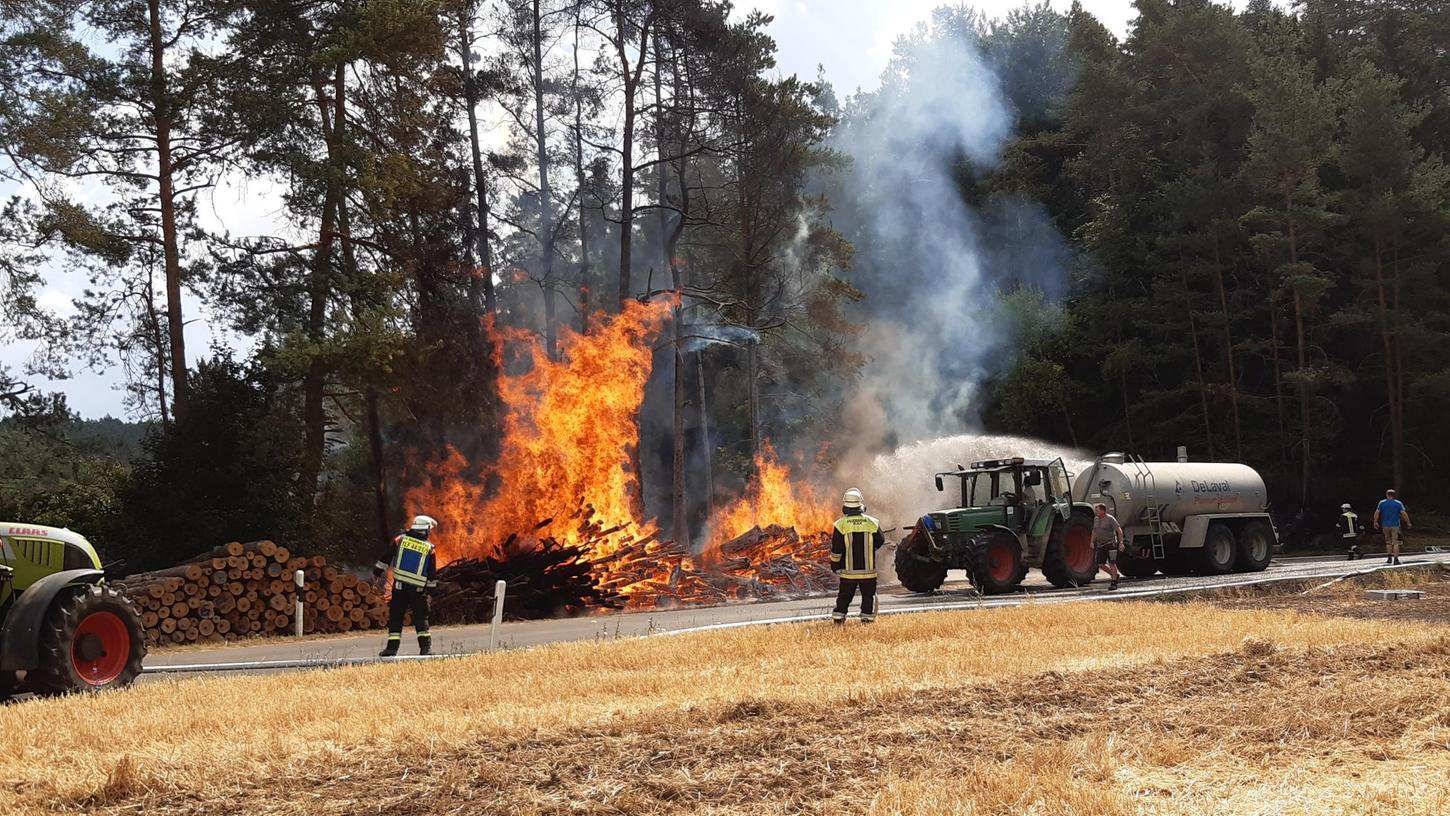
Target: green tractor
x=62, y=627
x=1013, y=514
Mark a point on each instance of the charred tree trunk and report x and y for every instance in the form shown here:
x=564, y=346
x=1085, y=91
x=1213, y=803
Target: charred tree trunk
x=707, y=450
x=166, y=201
x=379, y=465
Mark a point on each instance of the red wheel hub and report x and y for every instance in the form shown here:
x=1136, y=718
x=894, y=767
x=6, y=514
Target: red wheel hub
x=1078, y=549
x=1001, y=561
x=101, y=648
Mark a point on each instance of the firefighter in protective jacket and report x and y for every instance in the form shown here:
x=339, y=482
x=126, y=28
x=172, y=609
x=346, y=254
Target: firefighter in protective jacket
x=1350, y=528
x=854, y=543
x=413, y=565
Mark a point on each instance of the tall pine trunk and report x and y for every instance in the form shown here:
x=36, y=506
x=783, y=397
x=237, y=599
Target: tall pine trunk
x=480, y=283
x=166, y=202
x=1228, y=348
x=1397, y=442
x=546, y=196
x=579, y=179
x=626, y=166
x=1306, y=408
x=314, y=417
x=1198, y=365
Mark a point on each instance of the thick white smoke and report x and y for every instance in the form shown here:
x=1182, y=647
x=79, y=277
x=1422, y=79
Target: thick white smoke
x=930, y=337
x=932, y=328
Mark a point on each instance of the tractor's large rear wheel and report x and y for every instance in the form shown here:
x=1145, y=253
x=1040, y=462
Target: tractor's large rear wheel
x=996, y=560
x=91, y=640
x=914, y=569
x=1070, y=560
x=9, y=684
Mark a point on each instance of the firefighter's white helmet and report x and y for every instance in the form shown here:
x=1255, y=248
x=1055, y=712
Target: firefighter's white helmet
x=1345, y=506
x=853, y=499
x=423, y=523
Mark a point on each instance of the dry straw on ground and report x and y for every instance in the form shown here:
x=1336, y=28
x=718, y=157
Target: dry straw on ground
x=1084, y=709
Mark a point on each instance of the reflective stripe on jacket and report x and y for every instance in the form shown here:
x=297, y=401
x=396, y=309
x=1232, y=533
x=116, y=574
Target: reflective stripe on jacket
x=854, y=542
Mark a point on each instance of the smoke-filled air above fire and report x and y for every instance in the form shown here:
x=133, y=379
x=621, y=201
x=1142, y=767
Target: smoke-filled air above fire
x=563, y=477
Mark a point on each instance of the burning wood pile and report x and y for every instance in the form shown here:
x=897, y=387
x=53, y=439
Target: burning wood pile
x=243, y=590
x=547, y=578
x=544, y=581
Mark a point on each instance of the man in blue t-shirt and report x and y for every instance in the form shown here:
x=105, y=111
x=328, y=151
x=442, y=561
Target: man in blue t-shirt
x=1387, y=517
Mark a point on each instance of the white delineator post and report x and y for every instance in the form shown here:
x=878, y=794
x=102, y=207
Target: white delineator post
x=297, y=620
x=499, y=589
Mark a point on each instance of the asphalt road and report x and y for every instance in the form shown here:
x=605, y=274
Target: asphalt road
x=956, y=594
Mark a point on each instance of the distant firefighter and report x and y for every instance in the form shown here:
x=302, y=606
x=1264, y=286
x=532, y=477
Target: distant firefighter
x=1350, y=528
x=854, y=543
x=414, y=573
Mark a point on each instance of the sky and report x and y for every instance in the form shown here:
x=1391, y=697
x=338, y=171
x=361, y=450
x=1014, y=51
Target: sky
x=851, y=39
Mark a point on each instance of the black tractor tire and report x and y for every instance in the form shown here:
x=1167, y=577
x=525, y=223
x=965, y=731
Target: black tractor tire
x=914, y=569
x=9, y=684
x=91, y=639
x=1256, y=546
x=996, y=562
x=1070, y=559
x=1220, y=551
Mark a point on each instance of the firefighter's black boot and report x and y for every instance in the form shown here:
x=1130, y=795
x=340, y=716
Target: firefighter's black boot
x=1113, y=584
x=425, y=643
x=391, y=649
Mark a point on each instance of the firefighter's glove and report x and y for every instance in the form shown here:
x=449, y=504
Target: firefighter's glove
x=378, y=571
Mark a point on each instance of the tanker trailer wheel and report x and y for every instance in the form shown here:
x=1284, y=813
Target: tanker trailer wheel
x=1134, y=566
x=996, y=562
x=914, y=569
x=1070, y=560
x=1256, y=546
x=1220, y=550
x=91, y=640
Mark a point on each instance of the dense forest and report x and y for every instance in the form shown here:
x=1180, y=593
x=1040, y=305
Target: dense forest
x=1227, y=230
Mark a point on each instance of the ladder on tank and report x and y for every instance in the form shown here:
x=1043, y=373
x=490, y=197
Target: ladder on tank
x=1152, y=513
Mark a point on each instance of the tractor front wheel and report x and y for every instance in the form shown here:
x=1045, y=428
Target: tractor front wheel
x=996, y=561
x=914, y=569
x=1070, y=560
x=91, y=640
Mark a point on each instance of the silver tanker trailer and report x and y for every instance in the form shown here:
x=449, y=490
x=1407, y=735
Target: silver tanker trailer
x=1208, y=517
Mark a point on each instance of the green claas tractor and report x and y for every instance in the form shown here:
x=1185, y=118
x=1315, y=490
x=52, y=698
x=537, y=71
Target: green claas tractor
x=1013, y=514
x=62, y=627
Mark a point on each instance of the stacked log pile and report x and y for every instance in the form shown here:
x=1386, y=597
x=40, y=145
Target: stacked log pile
x=243, y=590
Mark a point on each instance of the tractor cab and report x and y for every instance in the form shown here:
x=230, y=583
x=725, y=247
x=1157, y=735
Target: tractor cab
x=1011, y=514
x=1019, y=494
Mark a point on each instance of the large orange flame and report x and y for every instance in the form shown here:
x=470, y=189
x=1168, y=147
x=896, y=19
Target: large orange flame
x=563, y=471
x=774, y=496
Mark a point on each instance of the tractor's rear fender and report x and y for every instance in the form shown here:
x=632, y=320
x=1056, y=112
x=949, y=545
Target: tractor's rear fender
x=20, y=639
x=987, y=528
